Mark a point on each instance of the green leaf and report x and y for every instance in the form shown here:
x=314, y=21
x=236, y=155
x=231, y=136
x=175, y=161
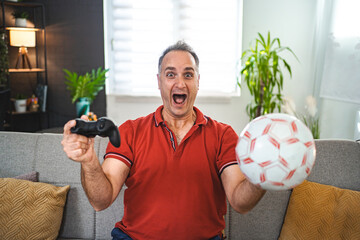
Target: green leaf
x=287, y=67
x=87, y=85
x=262, y=40
x=238, y=81
x=245, y=53
x=274, y=41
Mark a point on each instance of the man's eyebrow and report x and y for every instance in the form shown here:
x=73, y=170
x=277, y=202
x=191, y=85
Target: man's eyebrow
x=173, y=68
x=189, y=69
x=169, y=68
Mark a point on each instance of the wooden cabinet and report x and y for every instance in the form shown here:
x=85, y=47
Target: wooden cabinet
x=27, y=63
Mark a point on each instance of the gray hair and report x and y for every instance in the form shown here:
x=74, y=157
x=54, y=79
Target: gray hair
x=179, y=46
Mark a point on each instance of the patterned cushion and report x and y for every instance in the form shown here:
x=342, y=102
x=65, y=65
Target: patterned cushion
x=318, y=211
x=30, y=210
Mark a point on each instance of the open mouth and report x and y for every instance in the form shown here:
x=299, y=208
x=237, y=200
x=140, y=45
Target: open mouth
x=179, y=98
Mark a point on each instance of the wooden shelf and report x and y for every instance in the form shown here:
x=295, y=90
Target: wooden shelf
x=26, y=70
x=23, y=4
x=24, y=113
x=36, y=76
x=24, y=28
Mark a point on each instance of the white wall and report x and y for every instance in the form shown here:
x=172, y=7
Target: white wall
x=293, y=21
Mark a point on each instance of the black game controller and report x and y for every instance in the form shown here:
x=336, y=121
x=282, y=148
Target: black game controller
x=103, y=127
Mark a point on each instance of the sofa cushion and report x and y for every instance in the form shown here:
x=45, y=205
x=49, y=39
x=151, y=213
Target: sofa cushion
x=337, y=164
x=30, y=210
x=79, y=216
x=318, y=211
x=265, y=220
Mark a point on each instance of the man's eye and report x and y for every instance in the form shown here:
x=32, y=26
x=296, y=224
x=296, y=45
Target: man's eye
x=170, y=74
x=188, y=75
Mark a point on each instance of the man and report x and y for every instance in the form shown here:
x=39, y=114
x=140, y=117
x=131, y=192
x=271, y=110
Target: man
x=179, y=165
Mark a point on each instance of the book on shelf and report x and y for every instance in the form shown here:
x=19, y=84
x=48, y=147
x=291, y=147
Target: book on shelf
x=41, y=94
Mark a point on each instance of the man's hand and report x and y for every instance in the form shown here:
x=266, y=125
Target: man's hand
x=103, y=183
x=77, y=147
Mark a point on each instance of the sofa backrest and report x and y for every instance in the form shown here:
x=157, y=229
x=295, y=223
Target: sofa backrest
x=337, y=163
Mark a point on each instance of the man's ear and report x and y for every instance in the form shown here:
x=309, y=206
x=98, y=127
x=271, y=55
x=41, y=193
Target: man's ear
x=158, y=78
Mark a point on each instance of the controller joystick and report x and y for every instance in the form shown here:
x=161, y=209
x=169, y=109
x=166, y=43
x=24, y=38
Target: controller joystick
x=103, y=127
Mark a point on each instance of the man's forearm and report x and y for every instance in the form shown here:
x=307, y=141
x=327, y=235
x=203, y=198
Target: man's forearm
x=246, y=196
x=96, y=185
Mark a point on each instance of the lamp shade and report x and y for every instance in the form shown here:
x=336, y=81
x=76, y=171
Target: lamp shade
x=22, y=38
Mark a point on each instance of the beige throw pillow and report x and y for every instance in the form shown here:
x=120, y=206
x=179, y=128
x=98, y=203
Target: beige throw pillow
x=318, y=211
x=30, y=210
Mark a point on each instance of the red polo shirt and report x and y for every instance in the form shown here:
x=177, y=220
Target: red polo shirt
x=174, y=191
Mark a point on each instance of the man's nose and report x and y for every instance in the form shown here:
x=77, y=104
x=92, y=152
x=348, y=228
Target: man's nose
x=180, y=81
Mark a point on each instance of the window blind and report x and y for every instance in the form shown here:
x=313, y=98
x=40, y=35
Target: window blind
x=140, y=30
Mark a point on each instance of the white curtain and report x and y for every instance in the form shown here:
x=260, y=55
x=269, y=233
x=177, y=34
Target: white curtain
x=341, y=73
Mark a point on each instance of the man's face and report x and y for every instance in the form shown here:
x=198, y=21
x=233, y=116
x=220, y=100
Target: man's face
x=178, y=82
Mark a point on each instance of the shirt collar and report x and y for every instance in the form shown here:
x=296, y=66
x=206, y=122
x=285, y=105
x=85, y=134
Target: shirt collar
x=201, y=119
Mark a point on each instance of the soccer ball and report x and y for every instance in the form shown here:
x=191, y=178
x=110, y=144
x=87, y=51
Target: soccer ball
x=276, y=151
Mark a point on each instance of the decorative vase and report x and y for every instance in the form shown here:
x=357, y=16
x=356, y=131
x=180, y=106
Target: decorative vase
x=20, y=105
x=82, y=106
x=20, y=22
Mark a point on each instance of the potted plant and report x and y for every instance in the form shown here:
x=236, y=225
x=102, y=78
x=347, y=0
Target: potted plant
x=20, y=103
x=84, y=88
x=310, y=118
x=263, y=75
x=20, y=17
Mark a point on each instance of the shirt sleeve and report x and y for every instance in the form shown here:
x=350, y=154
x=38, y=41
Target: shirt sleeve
x=227, y=155
x=123, y=153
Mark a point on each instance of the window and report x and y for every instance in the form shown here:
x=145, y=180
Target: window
x=341, y=72
x=138, y=31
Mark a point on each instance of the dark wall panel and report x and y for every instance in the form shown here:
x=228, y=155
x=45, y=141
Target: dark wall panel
x=75, y=41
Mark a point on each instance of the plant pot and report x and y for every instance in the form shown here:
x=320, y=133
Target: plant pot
x=82, y=106
x=20, y=22
x=20, y=105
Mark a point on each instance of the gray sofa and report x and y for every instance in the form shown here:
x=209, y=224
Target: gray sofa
x=337, y=164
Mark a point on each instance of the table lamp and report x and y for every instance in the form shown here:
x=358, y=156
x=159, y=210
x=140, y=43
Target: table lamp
x=22, y=38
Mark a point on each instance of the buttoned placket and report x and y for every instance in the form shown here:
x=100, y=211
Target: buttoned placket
x=173, y=140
